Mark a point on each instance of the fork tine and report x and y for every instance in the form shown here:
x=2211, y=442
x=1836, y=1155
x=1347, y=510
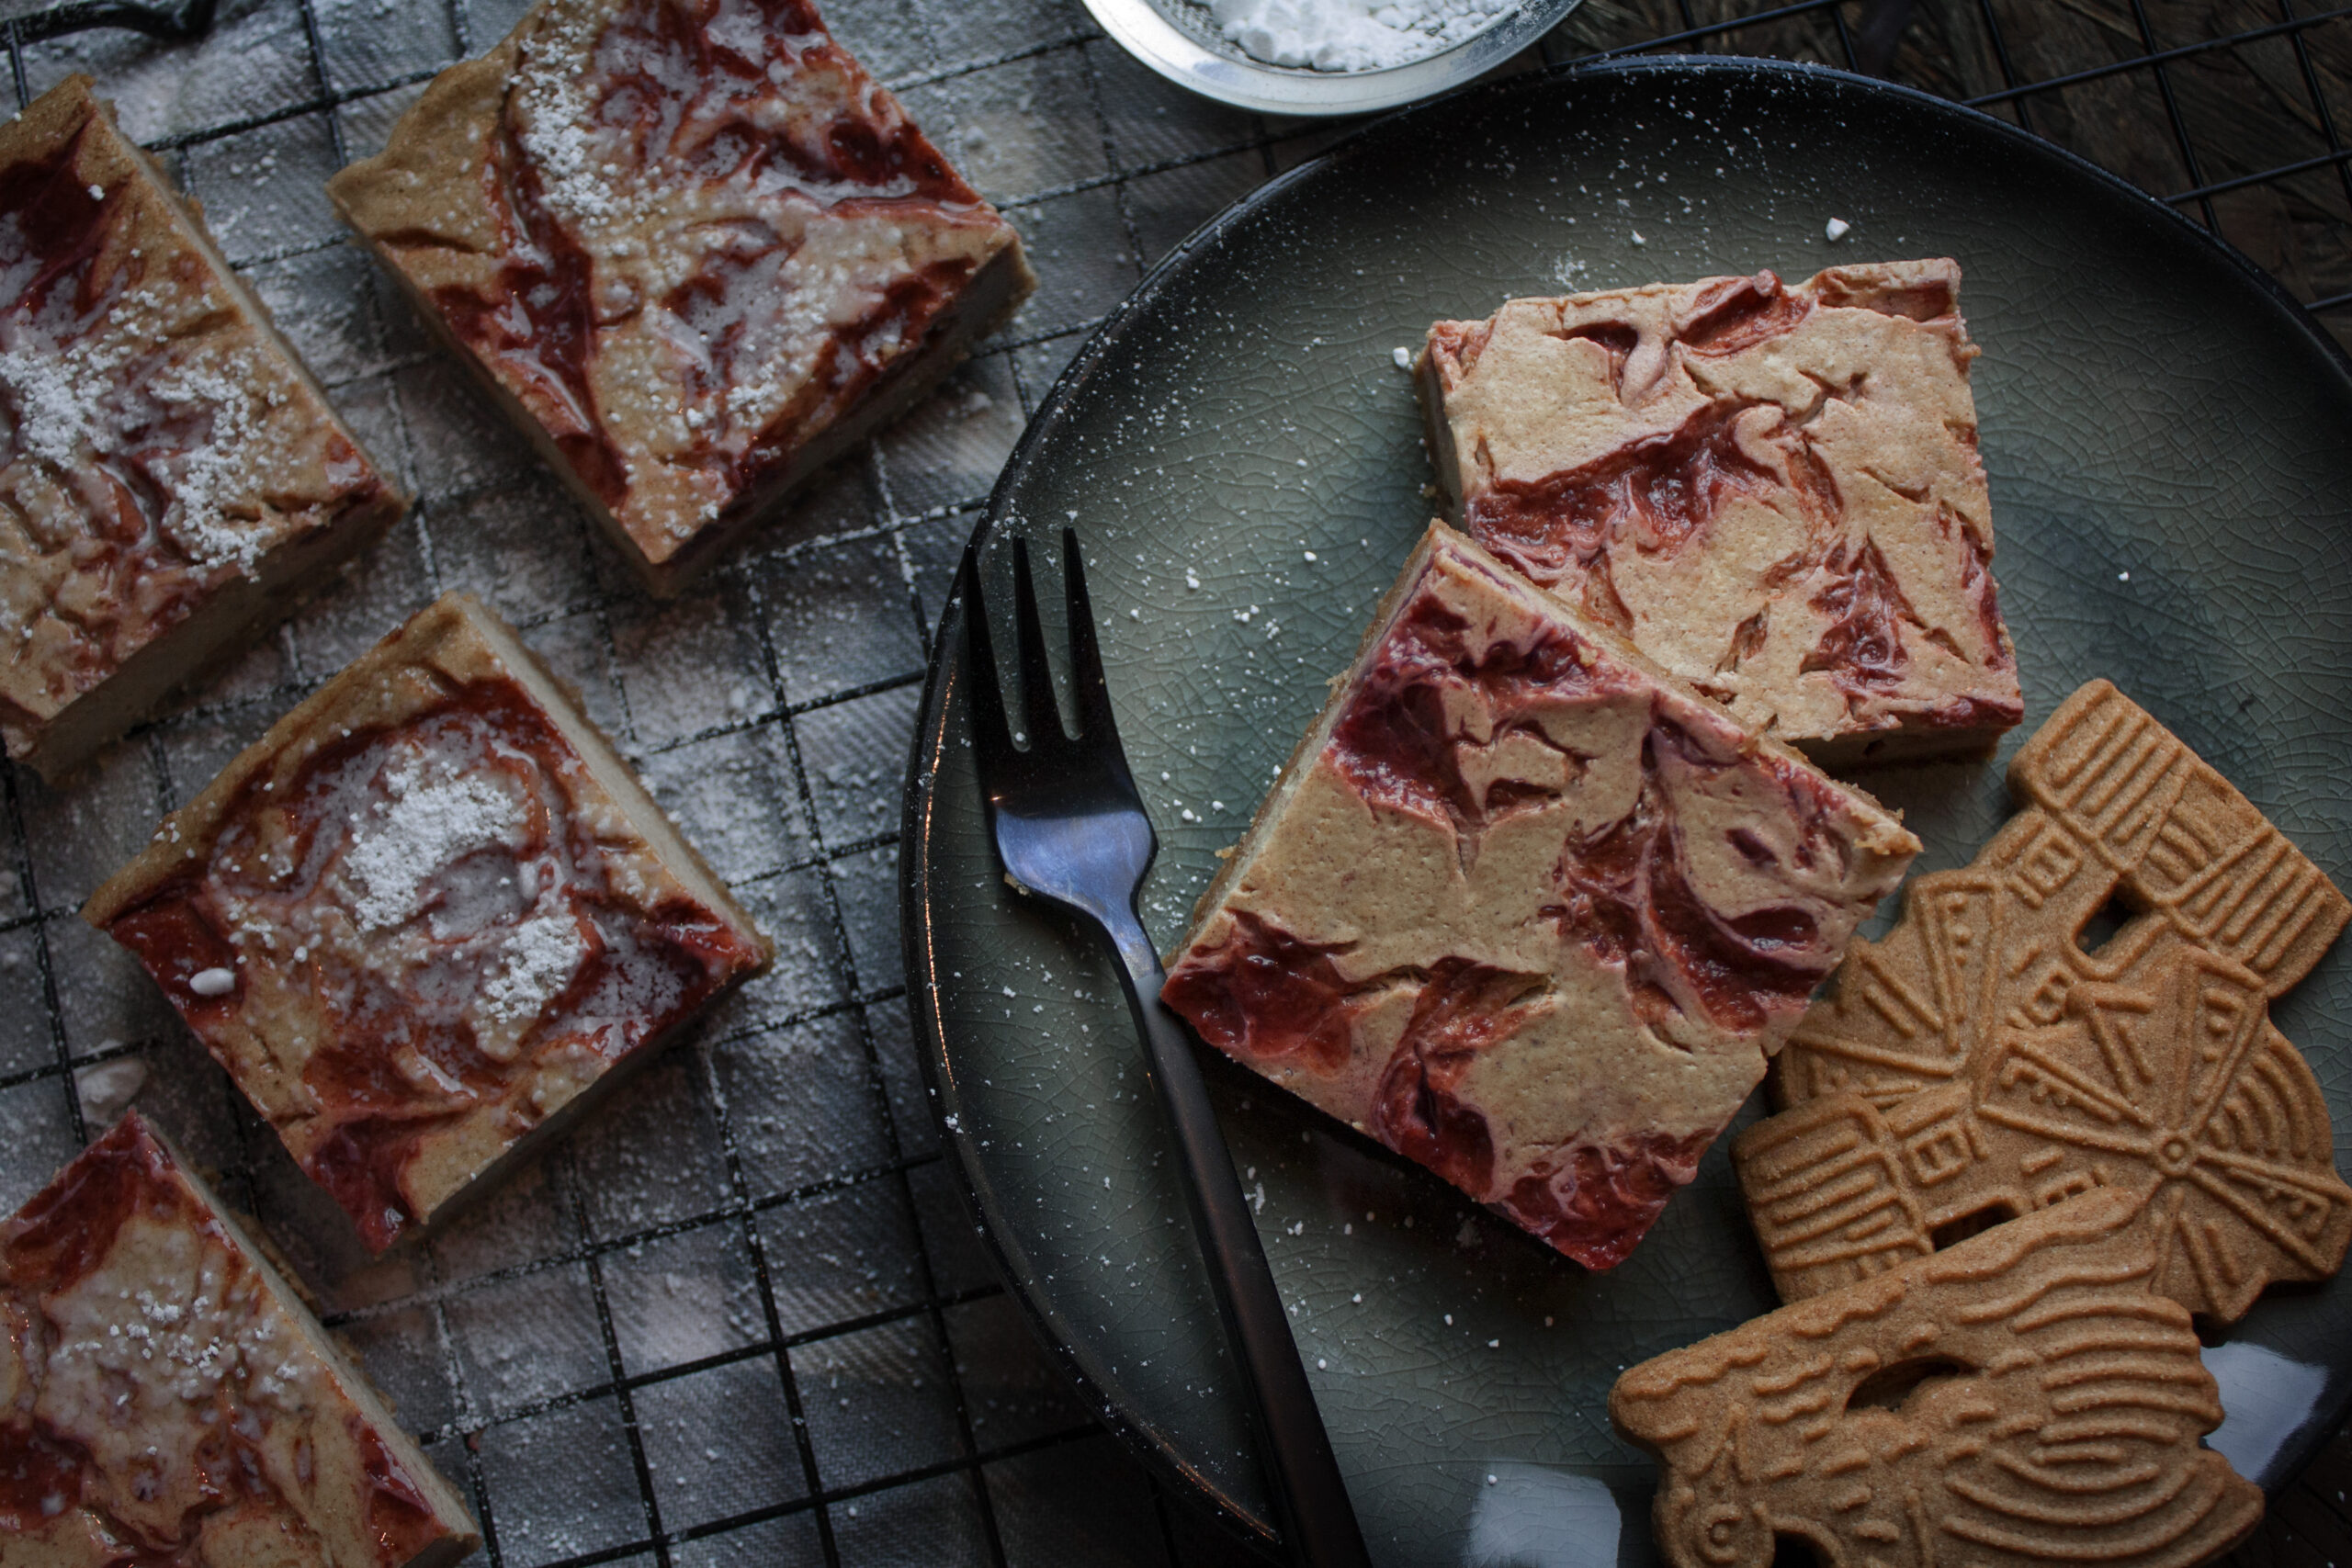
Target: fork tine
x=1094, y=722
x=1043, y=715
x=992, y=731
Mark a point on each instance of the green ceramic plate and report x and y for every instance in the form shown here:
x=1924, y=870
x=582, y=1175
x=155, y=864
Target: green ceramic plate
x=2170, y=446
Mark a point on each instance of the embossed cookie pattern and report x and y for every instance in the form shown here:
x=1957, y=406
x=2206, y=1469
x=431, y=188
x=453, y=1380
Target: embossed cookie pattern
x=2019, y=1399
x=1980, y=1063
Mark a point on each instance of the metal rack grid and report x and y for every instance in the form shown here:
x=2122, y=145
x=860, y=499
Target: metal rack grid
x=740, y=1316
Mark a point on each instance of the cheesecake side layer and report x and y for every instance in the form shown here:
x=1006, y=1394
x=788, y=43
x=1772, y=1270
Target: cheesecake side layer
x=1772, y=489
x=1527, y=910
x=428, y=920
x=692, y=260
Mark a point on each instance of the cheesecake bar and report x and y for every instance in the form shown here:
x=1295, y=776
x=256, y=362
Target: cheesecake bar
x=170, y=477
x=166, y=1397
x=1528, y=909
x=694, y=248
x=1772, y=491
x=427, y=919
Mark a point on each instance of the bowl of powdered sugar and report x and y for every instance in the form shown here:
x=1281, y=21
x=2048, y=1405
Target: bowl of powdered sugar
x=1324, y=57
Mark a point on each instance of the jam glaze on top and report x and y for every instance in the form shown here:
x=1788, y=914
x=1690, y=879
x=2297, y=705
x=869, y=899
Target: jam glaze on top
x=154, y=448
x=158, y=1405
x=419, y=934
x=1772, y=491
x=714, y=233
x=1531, y=915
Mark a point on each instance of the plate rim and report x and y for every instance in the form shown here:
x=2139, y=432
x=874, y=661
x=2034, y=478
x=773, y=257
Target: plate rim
x=959, y=1147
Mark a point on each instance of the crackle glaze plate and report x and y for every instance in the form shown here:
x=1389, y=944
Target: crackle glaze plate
x=2169, y=442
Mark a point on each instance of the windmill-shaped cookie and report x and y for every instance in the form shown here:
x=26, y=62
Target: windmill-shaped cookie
x=1980, y=1063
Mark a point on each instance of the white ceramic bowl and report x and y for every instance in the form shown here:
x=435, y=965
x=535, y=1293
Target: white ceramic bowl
x=1177, y=38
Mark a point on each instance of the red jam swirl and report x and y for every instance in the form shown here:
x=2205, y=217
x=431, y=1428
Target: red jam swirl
x=1627, y=896
x=1395, y=742
x=1660, y=495
x=1738, y=313
x=536, y=329
x=1863, y=646
x=1595, y=1205
x=1265, y=996
x=400, y=1521
x=402, y=1053
x=40, y=1474
x=1926, y=301
x=66, y=1230
x=1463, y=1008
x=54, y=233
x=703, y=91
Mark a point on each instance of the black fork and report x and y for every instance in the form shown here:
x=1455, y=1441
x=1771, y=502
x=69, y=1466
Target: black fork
x=1070, y=827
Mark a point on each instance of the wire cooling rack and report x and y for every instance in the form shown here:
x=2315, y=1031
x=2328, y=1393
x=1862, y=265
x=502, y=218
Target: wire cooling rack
x=739, y=1318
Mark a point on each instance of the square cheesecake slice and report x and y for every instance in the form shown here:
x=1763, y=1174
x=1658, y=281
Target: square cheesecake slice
x=170, y=479
x=694, y=248
x=1528, y=909
x=166, y=1398
x=427, y=919
x=1772, y=491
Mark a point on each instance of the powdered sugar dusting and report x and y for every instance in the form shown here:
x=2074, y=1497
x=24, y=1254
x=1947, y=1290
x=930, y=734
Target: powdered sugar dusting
x=555, y=113
x=541, y=958
x=215, y=514
x=424, y=822
x=119, y=384
x=45, y=392
x=1352, y=35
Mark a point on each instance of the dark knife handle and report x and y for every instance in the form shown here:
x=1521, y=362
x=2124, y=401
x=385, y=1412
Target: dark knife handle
x=1310, y=1501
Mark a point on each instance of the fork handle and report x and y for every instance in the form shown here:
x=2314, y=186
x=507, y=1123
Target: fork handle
x=1310, y=1501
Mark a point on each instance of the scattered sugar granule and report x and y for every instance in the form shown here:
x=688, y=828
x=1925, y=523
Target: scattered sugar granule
x=213, y=981
x=1402, y=356
x=1836, y=229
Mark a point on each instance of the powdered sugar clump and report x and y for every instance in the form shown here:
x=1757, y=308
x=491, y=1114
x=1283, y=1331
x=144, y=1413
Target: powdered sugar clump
x=421, y=825
x=541, y=958
x=578, y=182
x=47, y=392
x=1352, y=35
x=215, y=475
x=77, y=400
